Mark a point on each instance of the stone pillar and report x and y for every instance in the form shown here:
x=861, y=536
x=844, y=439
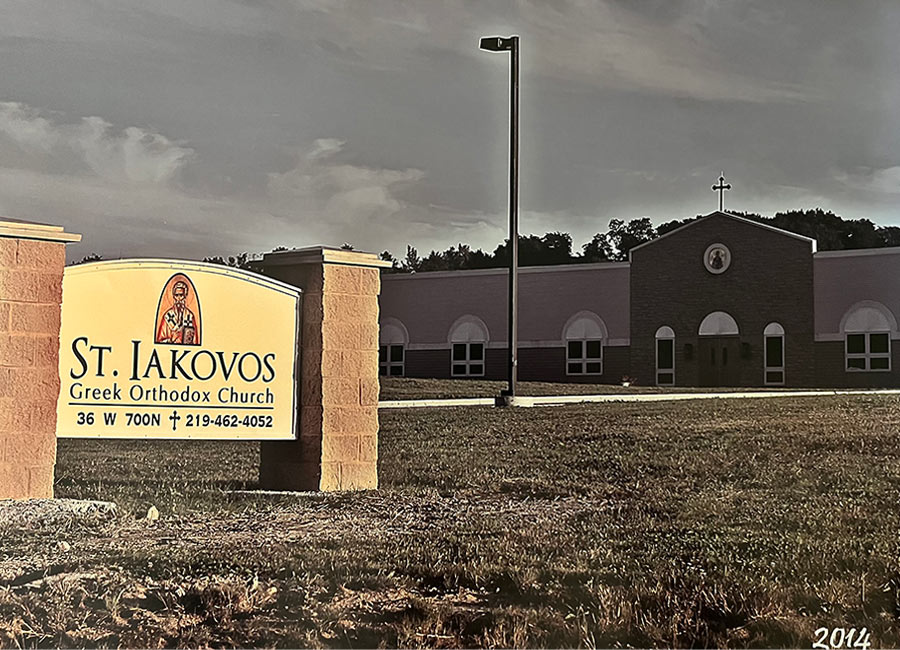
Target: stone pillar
x=32, y=257
x=337, y=441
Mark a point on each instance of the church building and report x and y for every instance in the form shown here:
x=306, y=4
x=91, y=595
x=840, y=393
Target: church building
x=721, y=301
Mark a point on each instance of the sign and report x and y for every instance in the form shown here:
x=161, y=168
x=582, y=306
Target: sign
x=167, y=349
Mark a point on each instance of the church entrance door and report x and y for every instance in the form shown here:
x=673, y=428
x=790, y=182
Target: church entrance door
x=720, y=360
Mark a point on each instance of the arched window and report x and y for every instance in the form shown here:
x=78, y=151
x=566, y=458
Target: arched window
x=584, y=335
x=867, y=327
x=468, y=340
x=718, y=323
x=773, y=373
x=665, y=356
x=392, y=341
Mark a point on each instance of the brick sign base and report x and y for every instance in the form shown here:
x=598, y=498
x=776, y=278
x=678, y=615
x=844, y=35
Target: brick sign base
x=32, y=258
x=337, y=446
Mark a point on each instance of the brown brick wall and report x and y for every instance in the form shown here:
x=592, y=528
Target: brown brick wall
x=542, y=364
x=30, y=295
x=535, y=364
x=549, y=364
x=831, y=373
x=435, y=364
x=427, y=364
x=496, y=363
x=770, y=279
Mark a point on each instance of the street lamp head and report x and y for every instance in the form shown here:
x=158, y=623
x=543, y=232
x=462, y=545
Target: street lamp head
x=498, y=43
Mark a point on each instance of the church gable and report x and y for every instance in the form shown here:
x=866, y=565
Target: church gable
x=728, y=222
x=722, y=264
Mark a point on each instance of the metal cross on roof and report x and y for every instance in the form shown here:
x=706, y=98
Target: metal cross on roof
x=720, y=188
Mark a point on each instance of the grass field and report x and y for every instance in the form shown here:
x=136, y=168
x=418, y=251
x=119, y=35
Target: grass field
x=740, y=523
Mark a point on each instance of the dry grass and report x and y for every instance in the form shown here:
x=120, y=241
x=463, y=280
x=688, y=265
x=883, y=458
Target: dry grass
x=738, y=524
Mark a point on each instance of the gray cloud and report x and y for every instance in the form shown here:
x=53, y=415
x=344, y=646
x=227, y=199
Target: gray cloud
x=202, y=127
x=131, y=155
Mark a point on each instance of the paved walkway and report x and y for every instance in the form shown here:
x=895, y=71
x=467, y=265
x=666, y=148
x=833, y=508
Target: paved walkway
x=559, y=400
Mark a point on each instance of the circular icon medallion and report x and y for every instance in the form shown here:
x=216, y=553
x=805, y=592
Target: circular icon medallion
x=717, y=258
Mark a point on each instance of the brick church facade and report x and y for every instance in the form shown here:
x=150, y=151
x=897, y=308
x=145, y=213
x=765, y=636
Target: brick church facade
x=721, y=301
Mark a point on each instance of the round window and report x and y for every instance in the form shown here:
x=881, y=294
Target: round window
x=717, y=258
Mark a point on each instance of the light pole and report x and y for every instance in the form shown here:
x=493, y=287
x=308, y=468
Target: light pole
x=511, y=44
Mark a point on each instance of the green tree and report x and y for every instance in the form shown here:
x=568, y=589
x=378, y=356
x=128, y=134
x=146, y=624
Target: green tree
x=395, y=265
x=240, y=261
x=434, y=262
x=624, y=236
x=890, y=235
x=599, y=249
x=552, y=248
x=87, y=259
x=669, y=226
x=412, y=262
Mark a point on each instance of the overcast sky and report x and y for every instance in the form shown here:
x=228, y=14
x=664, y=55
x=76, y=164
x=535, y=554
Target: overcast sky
x=186, y=128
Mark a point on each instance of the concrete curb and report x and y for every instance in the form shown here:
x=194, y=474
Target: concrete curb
x=423, y=403
x=561, y=400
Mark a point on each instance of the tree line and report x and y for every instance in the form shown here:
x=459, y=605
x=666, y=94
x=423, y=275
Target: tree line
x=831, y=231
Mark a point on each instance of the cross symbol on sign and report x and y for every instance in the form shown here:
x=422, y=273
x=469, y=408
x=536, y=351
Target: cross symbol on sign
x=720, y=188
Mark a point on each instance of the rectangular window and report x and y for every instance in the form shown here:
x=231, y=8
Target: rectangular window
x=879, y=343
x=868, y=352
x=774, y=356
x=856, y=344
x=584, y=357
x=879, y=363
x=665, y=362
x=774, y=350
x=468, y=360
x=665, y=354
x=391, y=360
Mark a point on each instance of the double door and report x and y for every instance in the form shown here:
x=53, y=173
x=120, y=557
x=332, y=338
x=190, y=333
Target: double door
x=719, y=360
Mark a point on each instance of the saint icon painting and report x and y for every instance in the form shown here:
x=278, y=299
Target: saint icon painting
x=717, y=258
x=178, y=314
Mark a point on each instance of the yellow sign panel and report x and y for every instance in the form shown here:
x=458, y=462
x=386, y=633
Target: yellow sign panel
x=165, y=349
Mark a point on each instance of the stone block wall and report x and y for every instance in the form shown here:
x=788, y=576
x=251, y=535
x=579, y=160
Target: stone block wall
x=30, y=296
x=337, y=444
